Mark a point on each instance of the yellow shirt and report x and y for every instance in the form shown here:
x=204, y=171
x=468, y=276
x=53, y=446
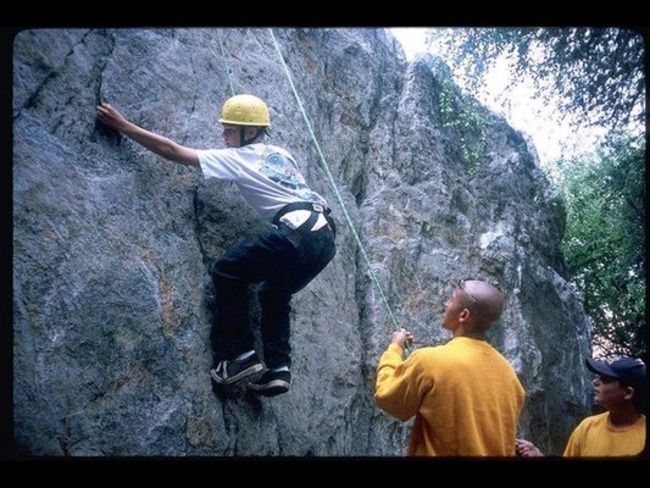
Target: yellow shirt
x=595, y=437
x=465, y=396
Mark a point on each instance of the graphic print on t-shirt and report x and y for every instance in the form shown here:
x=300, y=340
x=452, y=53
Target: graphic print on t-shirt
x=284, y=171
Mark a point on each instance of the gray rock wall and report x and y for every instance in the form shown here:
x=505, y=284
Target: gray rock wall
x=113, y=245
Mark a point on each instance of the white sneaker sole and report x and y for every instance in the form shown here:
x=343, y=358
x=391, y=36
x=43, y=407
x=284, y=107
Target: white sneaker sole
x=269, y=385
x=239, y=376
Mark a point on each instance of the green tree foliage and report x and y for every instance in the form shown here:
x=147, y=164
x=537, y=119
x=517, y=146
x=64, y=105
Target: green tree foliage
x=597, y=73
x=596, y=76
x=604, y=242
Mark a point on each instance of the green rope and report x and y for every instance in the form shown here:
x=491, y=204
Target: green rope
x=334, y=187
x=225, y=62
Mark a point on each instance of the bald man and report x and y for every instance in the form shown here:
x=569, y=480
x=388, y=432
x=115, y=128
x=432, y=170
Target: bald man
x=465, y=396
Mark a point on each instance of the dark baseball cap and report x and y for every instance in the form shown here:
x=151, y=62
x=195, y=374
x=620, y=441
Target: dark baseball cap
x=627, y=369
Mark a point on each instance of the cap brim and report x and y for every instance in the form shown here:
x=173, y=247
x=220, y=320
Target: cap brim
x=600, y=367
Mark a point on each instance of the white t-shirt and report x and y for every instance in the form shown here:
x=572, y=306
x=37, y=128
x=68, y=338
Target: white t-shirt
x=267, y=176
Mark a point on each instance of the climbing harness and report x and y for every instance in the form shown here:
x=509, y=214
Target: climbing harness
x=315, y=210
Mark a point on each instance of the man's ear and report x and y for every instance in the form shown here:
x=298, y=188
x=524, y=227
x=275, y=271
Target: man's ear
x=464, y=315
x=629, y=393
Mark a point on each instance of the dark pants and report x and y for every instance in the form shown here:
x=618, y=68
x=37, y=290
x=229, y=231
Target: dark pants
x=284, y=261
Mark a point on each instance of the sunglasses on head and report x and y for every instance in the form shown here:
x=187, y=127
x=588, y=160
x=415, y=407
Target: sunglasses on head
x=461, y=285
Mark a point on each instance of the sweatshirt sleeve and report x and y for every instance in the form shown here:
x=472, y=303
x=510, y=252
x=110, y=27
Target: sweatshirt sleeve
x=397, y=391
x=572, y=448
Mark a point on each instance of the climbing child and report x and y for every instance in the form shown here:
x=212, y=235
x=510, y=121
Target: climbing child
x=283, y=259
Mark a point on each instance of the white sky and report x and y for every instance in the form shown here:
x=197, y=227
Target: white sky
x=527, y=114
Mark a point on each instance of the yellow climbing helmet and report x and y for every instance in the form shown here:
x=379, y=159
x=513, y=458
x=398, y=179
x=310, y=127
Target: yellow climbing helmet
x=245, y=110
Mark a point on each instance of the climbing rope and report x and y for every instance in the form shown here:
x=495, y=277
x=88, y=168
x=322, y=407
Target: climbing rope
x=225, y=62
x=334, y=186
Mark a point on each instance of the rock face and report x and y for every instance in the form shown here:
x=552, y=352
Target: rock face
x=113, y=245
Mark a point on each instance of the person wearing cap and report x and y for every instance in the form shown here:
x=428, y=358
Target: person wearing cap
x=465, y=396
x=620, y=388
x=298, y=246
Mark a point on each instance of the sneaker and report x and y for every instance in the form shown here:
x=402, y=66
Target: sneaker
x=228, y=372
x=272, y=382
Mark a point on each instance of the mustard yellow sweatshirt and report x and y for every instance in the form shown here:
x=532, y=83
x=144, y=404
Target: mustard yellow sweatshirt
x=465, y=396
x=595, y=437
